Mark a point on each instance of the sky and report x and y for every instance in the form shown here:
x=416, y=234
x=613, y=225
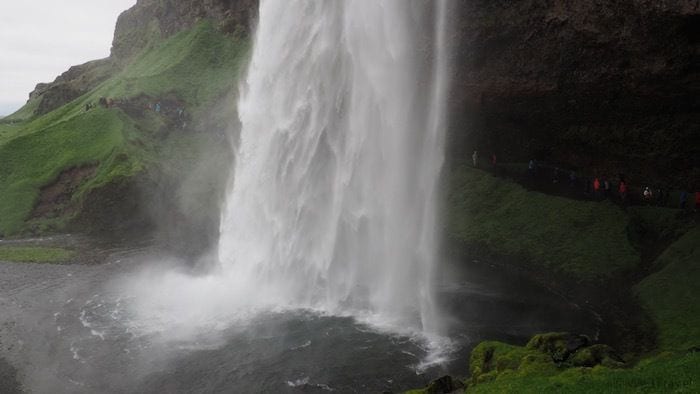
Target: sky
x=40, y=39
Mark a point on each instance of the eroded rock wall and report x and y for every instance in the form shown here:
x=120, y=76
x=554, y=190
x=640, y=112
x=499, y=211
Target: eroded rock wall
x=610, y=86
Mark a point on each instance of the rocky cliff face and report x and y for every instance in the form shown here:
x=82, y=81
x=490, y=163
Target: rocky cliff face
x=612, y=86
x=146, y=23
x=607, y=86
x=72, y=84
x=151, y=20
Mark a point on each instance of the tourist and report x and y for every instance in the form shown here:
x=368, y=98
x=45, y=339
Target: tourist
x=697, y=201
x=647, y=194
x=531, y=167
x=555, y=178
x=158, y=106
x=572, y=178
x=660, y=195
x=622, y=189
x=596, y=188
x=493, y=159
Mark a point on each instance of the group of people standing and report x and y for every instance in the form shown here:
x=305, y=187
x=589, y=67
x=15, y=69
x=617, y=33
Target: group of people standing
x=601, y=187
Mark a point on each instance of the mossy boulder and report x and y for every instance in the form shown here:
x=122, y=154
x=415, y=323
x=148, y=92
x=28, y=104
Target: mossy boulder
x=598, y=354
x=547, y=354
x=490, y=360
x=558, y=345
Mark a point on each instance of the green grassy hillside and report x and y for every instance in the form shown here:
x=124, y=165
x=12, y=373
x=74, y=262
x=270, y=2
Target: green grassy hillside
x=583, y=240
x=195, y=69
x=670, y=295
x=593, y=242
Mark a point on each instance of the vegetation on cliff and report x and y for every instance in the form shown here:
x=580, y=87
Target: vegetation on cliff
x=196, y=69
x=585, y=241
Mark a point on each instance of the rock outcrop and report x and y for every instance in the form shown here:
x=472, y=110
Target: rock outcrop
x=146, y=23
x=72, y=84
x=151, y=20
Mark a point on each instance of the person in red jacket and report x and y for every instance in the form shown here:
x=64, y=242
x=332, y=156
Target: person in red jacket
x=596, y=187
x=622, y=189
x=697, y=201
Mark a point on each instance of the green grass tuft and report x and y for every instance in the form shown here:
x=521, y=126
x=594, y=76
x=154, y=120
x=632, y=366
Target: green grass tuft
x=35, y=254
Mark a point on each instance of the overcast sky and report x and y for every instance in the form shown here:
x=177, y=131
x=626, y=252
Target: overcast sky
x=40, y=39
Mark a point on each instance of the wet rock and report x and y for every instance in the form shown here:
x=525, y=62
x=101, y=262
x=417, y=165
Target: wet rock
x=444, y=385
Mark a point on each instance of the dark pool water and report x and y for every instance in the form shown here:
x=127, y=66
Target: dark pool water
x=66, y=330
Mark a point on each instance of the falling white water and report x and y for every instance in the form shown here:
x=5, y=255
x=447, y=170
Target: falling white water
x=333, y=199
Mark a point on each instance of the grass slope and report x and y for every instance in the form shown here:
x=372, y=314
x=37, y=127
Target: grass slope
x=197, y=67
x=584, y=240
x=33, y=160
x=672, y=295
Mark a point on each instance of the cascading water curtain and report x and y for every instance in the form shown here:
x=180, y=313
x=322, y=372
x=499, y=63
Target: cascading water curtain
x=333, y=199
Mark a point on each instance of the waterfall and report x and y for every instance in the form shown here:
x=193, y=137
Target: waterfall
x=333, y=198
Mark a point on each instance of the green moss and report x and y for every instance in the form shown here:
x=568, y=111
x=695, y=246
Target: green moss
x=583, y=240
x=558, y=345
x=671, y=295
x=501, y=368
x=35, y=254
x=491, y=360
x=598, y=354
x=661, y=374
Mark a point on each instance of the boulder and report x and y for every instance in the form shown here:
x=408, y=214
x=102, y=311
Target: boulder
x=559, y=345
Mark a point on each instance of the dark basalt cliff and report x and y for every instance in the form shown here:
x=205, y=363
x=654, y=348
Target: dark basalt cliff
x=606, y=86
x=602, y=86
